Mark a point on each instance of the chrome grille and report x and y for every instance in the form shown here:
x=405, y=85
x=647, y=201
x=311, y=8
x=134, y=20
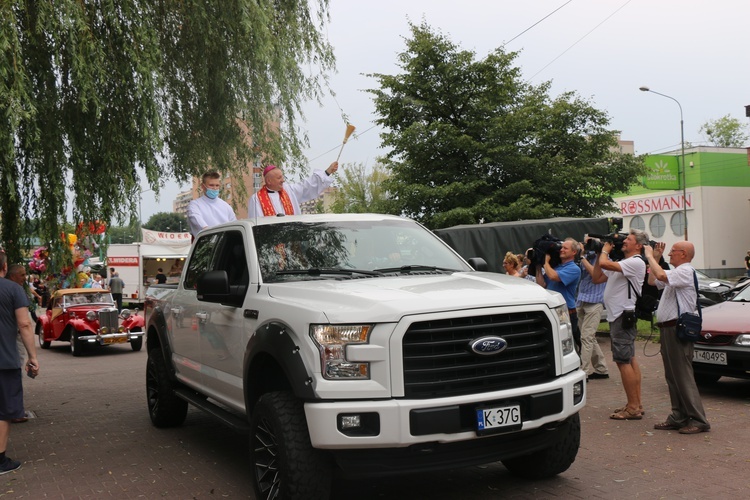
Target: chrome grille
x=439, y=362
x=108, y=318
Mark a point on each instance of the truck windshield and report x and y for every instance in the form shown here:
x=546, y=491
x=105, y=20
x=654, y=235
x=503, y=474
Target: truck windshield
x=298, y=250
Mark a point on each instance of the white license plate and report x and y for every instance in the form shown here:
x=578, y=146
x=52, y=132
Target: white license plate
x=489, y=419
x=712, y=357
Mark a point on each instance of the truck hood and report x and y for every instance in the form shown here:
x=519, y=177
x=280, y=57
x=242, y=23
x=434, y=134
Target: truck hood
x=389, y=298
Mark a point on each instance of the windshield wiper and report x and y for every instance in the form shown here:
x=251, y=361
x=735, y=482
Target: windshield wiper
x=418, y=267
x=315, y=271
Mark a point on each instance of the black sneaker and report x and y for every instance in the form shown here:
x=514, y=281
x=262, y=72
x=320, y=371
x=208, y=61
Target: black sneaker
x=9, y=465
x=595, y=375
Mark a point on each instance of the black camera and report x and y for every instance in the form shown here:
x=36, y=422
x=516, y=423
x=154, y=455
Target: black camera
x=546, y=245
x=596, y=243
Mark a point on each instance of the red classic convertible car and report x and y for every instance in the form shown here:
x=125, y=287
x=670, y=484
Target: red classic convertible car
x=87, y=316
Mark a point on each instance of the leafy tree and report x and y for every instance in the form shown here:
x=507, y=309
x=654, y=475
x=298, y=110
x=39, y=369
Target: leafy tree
x=123, y=234
x=361, y=192
x=96, y=94
x=471, y=140
x=167, y=221
x=725, y=132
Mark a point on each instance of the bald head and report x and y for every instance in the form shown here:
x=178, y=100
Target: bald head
x=274, y=179
x=682, y=251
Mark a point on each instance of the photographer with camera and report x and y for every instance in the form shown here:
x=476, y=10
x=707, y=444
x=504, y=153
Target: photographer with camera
x=688, y=415
x=564, y=278
x=590, y=304
x=621, y=314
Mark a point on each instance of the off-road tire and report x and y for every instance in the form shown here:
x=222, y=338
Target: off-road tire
x=76, y=345
x=285, y=465
x=165, y=408
x=549, y=461
x=136, y=344
x=44, y=344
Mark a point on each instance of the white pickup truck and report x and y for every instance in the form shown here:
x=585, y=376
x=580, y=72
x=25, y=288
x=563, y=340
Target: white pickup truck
x=362, y=342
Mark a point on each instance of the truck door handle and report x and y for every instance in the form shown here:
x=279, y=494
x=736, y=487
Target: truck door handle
x=203, y=316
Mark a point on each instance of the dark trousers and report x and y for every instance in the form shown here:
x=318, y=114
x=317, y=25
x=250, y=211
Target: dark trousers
x=576, y=331
x=118, y=300
x=677, y=355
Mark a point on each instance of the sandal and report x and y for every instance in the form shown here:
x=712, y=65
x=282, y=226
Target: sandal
x=626, y=414
x=640, y=409
x=666, y=426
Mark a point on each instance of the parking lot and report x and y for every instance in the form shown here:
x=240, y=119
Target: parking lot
x=91, y=437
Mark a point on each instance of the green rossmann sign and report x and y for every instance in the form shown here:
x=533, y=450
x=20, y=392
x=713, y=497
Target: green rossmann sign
x=663, y=172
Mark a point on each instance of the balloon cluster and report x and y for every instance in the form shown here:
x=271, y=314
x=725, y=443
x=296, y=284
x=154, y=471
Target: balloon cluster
x=39, y=259
x=79, y=250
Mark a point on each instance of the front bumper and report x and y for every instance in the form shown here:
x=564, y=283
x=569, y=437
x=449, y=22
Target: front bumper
x=111, y=338
x=407, y=422
x=738, y=361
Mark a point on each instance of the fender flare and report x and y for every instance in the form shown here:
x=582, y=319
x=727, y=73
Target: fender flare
x=157, y=325
x=275, y=340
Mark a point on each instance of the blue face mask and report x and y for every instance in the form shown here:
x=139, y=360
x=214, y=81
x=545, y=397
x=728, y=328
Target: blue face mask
x=212, y=193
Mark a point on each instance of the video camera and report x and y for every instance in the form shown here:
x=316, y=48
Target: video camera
x=596, y=243
x=545, y=245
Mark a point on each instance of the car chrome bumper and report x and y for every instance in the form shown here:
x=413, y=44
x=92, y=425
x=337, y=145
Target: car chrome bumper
x=111, y=338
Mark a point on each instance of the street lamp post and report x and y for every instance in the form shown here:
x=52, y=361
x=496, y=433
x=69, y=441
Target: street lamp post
x=682, y=146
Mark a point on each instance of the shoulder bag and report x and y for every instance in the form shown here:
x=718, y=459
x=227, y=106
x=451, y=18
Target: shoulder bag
x=689, y=324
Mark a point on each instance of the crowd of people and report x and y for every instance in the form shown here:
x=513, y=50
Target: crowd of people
x=591, y=282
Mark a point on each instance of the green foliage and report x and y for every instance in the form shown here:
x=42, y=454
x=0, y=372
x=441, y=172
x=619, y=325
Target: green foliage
x=96, y=95
x=471, y=140
x=167, y=221
x=361, y=192
x=726, y=132
x=123, y=234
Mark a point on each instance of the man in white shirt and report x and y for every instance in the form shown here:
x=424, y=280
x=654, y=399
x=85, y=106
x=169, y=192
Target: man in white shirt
x=277, y=198
x=687, y=415
x=209, y=210
x=619, y=301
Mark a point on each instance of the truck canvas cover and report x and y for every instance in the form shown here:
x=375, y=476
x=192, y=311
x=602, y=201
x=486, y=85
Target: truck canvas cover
x=491, y=241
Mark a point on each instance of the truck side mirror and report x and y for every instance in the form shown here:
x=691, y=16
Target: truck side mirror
x=478, y=263
x=213, y=286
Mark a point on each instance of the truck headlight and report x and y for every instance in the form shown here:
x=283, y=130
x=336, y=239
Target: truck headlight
x=332, y=341
x=566, y=329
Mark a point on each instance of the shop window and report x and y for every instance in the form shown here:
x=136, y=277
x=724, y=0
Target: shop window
x=677, y=223
x=637, y=223
x=657, y=225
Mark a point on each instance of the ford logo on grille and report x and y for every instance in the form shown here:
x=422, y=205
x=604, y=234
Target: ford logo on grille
x=486, y=346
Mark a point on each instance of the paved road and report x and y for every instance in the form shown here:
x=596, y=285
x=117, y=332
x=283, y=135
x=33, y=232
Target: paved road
x=91, y=438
